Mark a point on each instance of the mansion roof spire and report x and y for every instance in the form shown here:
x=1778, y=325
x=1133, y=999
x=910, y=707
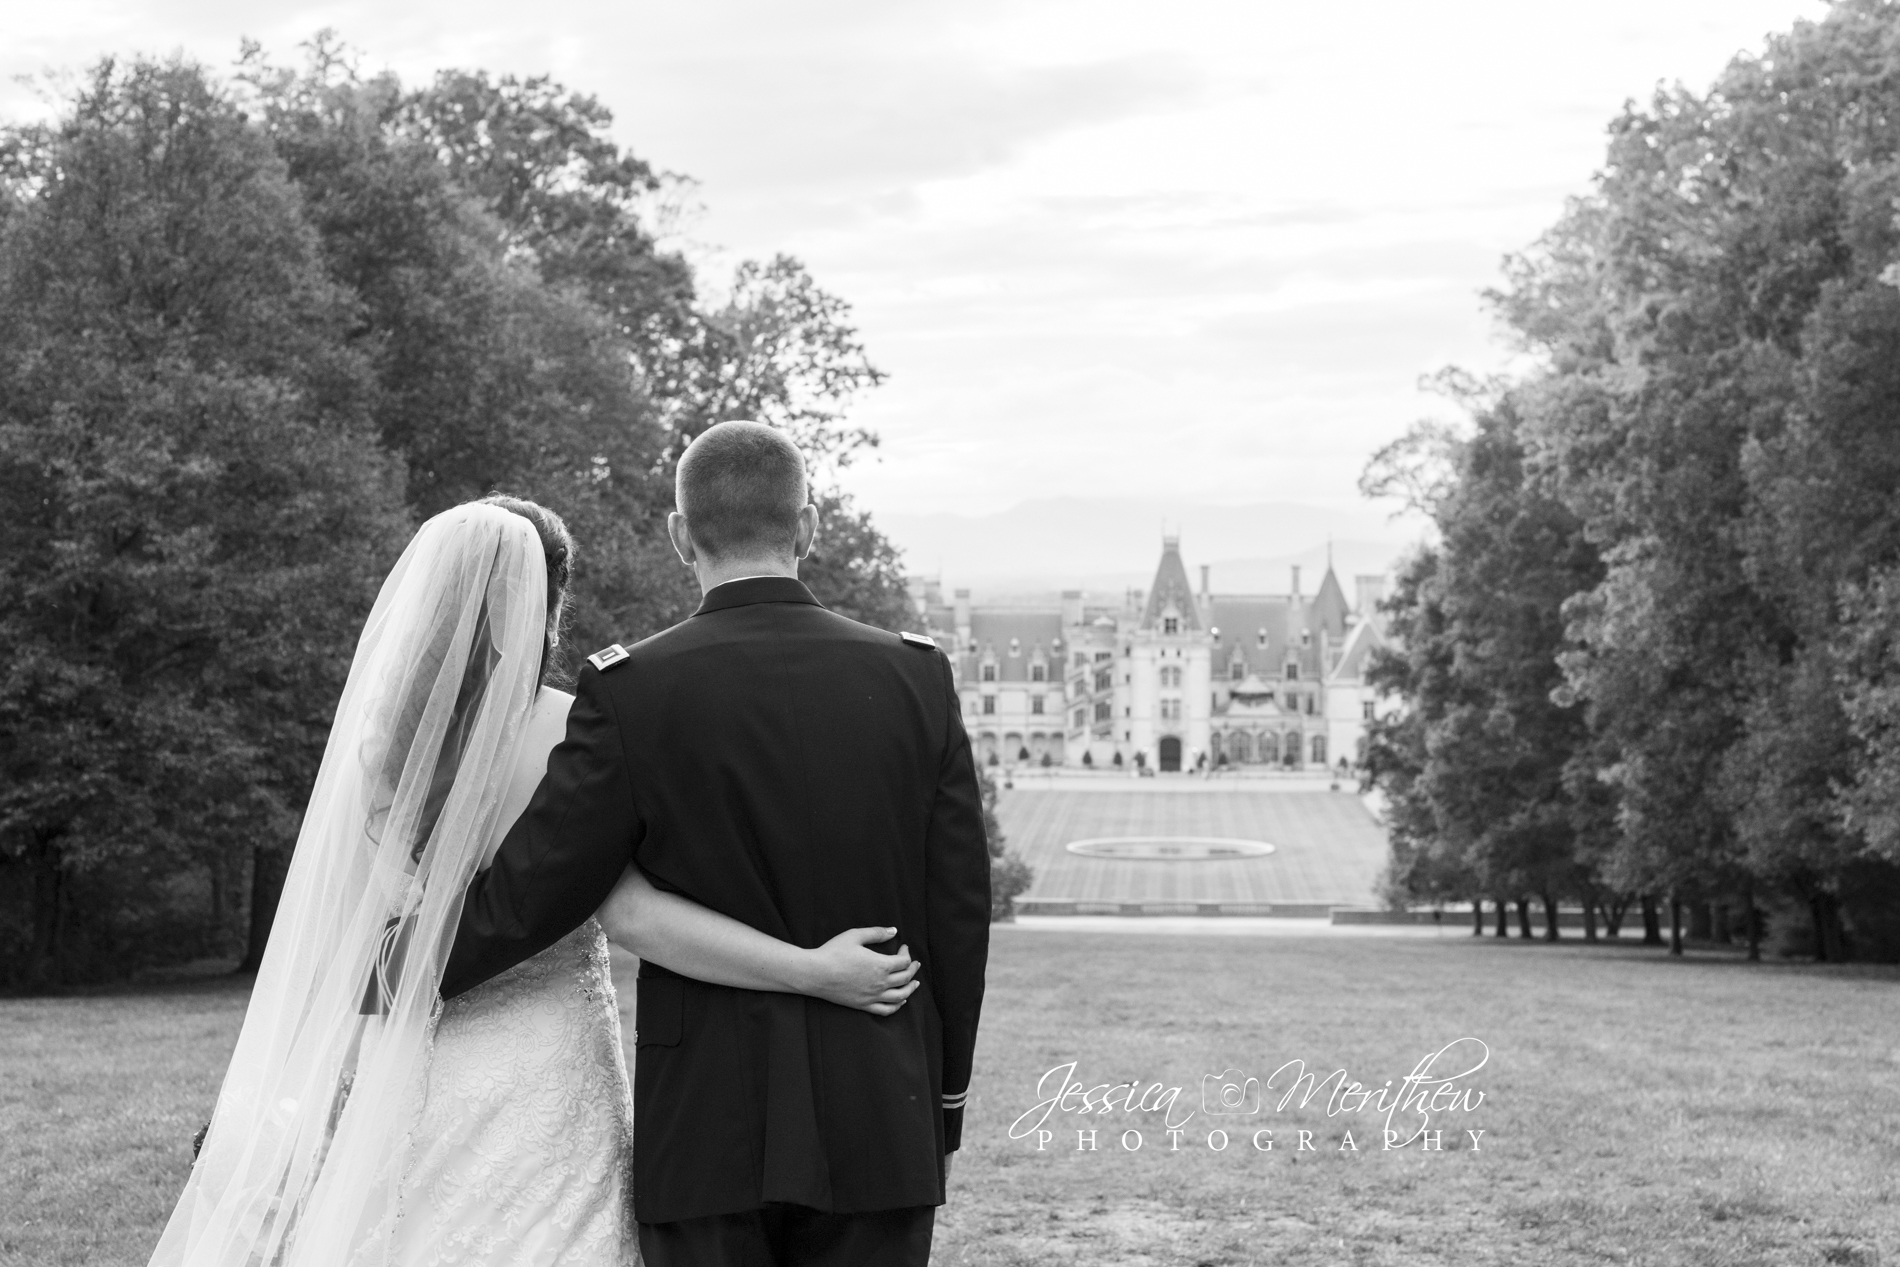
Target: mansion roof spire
x=1329, y=608
x=1171, y=595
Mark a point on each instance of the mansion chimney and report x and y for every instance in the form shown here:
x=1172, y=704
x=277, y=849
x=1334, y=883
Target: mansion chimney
x=963, y=619
x=1296, y=581
x=1071, y=608
x=1204, y=571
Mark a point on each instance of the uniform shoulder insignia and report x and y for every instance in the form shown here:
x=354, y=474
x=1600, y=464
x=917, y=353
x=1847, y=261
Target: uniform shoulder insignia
x=604, y=660
x=919, y=640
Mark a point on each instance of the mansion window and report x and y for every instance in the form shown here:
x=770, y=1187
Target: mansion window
x=989, y=703
x=1035, y=703
x=1101, y=712
x=1170, y=624
x=1170, y=676
x=1319, y=749
x=1103, y=681
x=1365, y=710
x=1170, y=710
x=1081, y=718
x=989, y=673
x=1237, y=670
x=1292, y=670
x=1312, y=705
x=1104, y=655
x=1037, y=673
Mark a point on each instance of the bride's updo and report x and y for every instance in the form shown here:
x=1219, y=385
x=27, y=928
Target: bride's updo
x=557, y=546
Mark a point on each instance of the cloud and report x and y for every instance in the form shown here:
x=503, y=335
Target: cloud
x=838, y=128
x=1199, y=250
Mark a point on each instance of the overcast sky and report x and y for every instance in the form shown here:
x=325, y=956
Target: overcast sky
x=1195, y=251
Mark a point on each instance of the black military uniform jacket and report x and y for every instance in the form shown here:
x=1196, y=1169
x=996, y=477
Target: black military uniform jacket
x=805, y=774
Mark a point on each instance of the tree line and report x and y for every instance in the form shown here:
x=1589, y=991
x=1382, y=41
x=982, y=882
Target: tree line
x=254, y=328
x=1651, y=661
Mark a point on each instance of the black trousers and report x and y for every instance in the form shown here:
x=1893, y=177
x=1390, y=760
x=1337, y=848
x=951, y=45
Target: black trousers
x=793, y=1236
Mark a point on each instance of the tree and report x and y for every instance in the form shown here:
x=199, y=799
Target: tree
x=778, y=349
x=1715, y=334
x=1474, y=768
x=1010, y=876
x=201, y=512
x=486, y=376
x=252, y=335
x=854, y=570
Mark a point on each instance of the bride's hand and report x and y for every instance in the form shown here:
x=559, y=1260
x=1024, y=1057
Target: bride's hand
x=846, y=971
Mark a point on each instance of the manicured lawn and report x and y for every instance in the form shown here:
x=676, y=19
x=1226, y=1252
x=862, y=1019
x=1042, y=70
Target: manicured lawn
x=1637, y=1109
x=1327, y=847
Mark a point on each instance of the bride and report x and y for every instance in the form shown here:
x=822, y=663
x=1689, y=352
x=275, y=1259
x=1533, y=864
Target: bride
x=361, y=1120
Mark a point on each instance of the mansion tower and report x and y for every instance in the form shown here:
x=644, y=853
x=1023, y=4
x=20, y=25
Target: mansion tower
x=1171, y=679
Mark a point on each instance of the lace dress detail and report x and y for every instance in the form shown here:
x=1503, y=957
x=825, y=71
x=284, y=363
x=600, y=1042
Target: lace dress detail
x=523, y=1152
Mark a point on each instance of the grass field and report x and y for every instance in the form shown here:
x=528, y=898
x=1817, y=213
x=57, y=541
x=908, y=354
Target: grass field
x=1638, y=1109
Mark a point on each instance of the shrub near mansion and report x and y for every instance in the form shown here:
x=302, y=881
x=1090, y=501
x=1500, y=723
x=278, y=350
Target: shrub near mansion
x=1169, y=679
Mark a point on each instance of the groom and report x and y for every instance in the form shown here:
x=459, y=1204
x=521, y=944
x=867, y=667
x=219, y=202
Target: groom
x=802, y=773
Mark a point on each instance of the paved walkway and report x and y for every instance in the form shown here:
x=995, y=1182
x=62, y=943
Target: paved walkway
x=1227, y=926
x=1328, y=849
x=1030, y=779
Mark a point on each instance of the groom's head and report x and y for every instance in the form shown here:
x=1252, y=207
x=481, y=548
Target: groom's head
x=742, y=499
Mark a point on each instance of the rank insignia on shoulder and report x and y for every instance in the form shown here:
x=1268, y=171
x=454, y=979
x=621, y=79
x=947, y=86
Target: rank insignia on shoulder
x=604, y=660
x=919, y=640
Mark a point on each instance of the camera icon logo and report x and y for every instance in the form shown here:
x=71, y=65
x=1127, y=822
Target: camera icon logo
x=1230, y=1092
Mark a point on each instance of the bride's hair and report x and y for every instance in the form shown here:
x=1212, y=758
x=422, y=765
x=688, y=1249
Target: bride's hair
x=557, y=546
x=394, y=731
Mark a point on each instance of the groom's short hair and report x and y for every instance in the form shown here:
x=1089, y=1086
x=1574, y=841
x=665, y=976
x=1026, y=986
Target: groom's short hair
x=741, y=486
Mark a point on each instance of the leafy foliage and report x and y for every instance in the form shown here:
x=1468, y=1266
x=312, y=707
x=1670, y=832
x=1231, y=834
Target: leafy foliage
x=1010, y=876
x=1704, y=465
x=250, y=334
x=198, y=510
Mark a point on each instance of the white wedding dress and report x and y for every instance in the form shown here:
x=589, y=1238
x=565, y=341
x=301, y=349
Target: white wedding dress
x=362, y=1122
x=523, y=1154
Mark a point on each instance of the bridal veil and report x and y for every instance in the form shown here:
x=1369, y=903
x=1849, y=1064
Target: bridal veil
x=304, y=1157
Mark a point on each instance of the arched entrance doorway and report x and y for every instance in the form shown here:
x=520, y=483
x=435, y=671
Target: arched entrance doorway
x=1170, y=752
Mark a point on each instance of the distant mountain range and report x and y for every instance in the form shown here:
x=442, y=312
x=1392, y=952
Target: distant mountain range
x=1107, y=545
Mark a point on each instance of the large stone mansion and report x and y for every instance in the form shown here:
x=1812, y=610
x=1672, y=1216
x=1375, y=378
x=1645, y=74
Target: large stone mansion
x=1170, y=679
